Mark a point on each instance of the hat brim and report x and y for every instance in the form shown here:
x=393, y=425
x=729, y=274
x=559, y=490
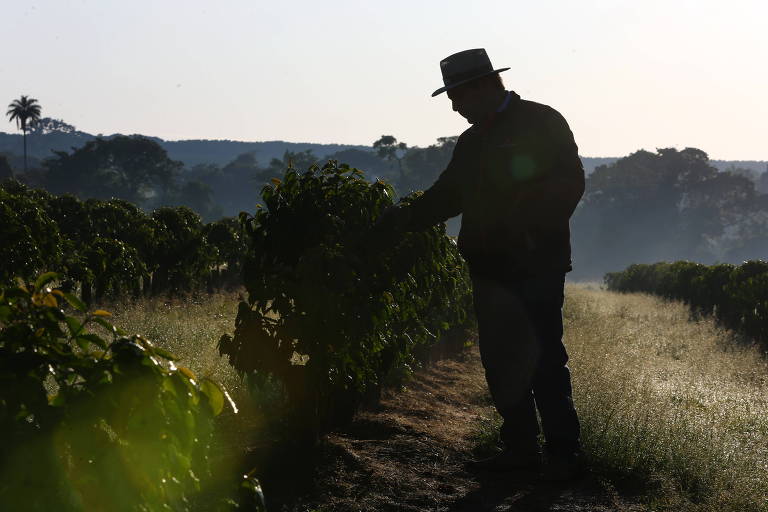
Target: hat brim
x=462, y=82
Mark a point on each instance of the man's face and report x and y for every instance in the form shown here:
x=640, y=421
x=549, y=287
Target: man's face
x=469, y=101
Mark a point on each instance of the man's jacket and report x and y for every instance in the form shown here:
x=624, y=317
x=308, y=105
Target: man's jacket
x=516, y=178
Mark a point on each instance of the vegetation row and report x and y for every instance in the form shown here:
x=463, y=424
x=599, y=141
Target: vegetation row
x=335, y=307
x=95, y=422
x=112, y=248
x=736, y=295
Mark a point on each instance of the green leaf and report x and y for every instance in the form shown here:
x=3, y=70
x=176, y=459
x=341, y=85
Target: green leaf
x=92, y=338
x=165, y=354
x=83, y=343
x=214, y=393
x=57, y=400
x=75, y=302
x=108, y=326
x=183, y=370
x=74, y=326
x=45, y=279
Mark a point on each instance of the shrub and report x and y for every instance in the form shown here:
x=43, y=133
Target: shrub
x=91, y=424
x=736, y=295
x=30, y=238
x=333, y=308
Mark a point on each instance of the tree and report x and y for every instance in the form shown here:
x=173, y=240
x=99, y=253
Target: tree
x=300, y=160
x=236, y=186
x=183, y=257
x=31, y=239
x=762, y=181
x=47, y=125
x=374, y=166
x=387, y=148
x=228, y=246
x=669, y=205
x=5, y=169
x=133, y=168
x=198, y=196
x=24, y=111
x=422, y=166
x=750, y=174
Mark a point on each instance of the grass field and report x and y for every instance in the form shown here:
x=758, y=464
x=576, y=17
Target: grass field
x=190, y=329
x=669, y=404
x=671, y=399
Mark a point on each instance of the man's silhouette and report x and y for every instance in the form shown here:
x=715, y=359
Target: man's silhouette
x=516, y=177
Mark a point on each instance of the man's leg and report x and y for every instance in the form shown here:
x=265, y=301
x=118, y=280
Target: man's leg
x=509, y=352
x=552, y=382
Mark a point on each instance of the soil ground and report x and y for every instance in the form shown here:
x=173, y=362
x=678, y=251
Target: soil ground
x=409, y=454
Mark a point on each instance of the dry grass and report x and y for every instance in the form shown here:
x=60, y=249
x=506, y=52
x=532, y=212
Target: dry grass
x=671, y=398
x=190, y=329
x=674, y=400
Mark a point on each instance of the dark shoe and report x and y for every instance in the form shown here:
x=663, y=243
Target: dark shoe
x=509, y=460
x=564, y=468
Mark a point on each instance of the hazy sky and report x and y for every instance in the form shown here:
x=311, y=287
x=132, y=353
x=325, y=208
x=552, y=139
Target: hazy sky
x=626, y=74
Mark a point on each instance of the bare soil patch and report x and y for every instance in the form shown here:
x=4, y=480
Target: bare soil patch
x=409, y=454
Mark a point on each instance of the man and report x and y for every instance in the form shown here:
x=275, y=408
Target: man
x=516, y=177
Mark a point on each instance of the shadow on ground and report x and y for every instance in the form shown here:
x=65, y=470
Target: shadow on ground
x=505, y=492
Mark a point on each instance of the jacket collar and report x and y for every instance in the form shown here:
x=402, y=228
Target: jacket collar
x=505, y=103
x=507, y=106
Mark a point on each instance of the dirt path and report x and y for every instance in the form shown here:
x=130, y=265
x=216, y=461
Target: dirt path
x=409, y=454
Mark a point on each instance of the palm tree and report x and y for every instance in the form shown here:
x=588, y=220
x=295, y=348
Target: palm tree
x=24, y=111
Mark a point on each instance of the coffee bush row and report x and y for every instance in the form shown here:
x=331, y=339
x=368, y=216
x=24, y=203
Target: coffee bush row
x=92, y=418
x=736, y=295
x=335, y=307
x=113, y=248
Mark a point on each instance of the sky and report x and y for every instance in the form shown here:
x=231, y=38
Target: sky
x=627, y=75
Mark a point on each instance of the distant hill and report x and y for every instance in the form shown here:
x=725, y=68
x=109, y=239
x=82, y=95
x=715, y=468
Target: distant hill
x=42, y=143
x=758, y=166
x=220, y=152
x=590, y=162
x=59, y=136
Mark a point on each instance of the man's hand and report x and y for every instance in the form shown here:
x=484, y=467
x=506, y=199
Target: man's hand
x=389, y=228
x=393, y=220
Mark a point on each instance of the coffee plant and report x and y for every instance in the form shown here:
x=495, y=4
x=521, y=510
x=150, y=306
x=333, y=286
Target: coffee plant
x=30, y=237
x=335, y=307
x=737, y=296
x=97, y=423
x=113, y=249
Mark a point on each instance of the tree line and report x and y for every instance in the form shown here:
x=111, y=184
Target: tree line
x=667, y=205
x=648, y=206
x=137, y=169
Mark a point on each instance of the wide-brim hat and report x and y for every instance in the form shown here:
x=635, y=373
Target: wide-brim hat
x=464, y=67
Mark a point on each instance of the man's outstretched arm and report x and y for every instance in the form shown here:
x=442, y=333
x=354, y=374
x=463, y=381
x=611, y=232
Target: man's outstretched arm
x=439, y=202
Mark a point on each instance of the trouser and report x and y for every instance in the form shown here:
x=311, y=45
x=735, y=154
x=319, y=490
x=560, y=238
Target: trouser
x=520, y=336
